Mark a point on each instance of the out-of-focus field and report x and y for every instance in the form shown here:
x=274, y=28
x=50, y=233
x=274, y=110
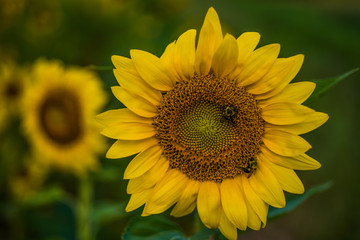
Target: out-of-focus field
x=87, y=33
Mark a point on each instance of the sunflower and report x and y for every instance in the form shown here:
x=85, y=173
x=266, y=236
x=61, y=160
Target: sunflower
x=60, y=106
x=12, y=80
x=29, y=179
x=216, y=127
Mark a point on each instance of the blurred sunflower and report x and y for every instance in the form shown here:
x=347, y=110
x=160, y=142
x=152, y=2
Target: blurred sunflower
x=59, y=115
x=29, y=180
x=12, y=80
x=215, y=127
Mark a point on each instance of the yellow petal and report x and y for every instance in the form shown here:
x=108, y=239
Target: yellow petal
x=152, y=70
x=129, y=131
x=143, y=162
x=209, y=204
x=166, y=192
x=149, y=178
x=136, y=85
x=295, y=93
x=135, y=103
x=254, y=221
x=121, y=62
x=209, y=40
x=168, y=58
x=137, y=200
x=285, y=113
x=264, y=183
x=233, y=203
x=298, y=61
x=313, y=121
x=125, y=148
x=123, y=115
x=279, y=71
x=259, y=63
x=257, y=204
x=227, y=228
x=285, y=144
x=225, y=57
x=247, y=42
x=187, y=201
x=300, y=162
x=185, y=54
x=287, y=178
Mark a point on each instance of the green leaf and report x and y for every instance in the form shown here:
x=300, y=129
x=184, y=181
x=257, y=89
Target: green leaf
x=153, y=228
x=324, y=85
x=295, y=202
x=106, y=212
x=206, y=233
x=47, y=196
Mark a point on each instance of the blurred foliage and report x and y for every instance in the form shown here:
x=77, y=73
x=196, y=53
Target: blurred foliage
x=87, y=33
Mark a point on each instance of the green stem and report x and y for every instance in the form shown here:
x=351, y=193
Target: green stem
x=84, y=209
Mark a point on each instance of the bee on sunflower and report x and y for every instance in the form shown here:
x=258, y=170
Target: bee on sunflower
x=214, y=127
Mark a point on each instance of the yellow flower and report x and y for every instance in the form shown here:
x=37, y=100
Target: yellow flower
x=12, y=80
x=60, y=106
x=215, y=127
x=29, y=180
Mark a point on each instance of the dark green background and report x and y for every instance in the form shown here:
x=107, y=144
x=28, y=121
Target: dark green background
x=326, y=32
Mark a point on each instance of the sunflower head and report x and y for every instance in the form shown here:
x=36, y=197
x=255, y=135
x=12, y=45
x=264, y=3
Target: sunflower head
x=214, y=127
x=59, y=110
x=12, y=82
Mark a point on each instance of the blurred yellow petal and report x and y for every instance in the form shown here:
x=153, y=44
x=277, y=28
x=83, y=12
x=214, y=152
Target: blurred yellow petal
x=233, y=203
x=187, y=201
x=185, y=54
x=129, y=131
x=137, y=86
x=295, y=93
x=285, y=113
x=121, y=62
x=299, y=162
x=284, y=143
x=246, y=42
x=149, y=178
x=265, y=184
x=143, y=162
x=227, y=228
x=254, y=221
x=166, y=192
x=209, y=204
x=313, y=121
x=125, y=148
x=259, y=64
x=137, y=200
x=209, y=40
x=298, y=59
x=123, y=115
x=225, y=57
x=279, y=71
x=136, y=104
x=257, y=204
x=287, y=178
x=152, y=70
x=168, y=58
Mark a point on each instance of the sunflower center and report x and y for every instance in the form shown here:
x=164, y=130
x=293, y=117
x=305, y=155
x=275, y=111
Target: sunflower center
x=203, y=127
x=12, y=90
x=60, y=116
x=209, y=128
